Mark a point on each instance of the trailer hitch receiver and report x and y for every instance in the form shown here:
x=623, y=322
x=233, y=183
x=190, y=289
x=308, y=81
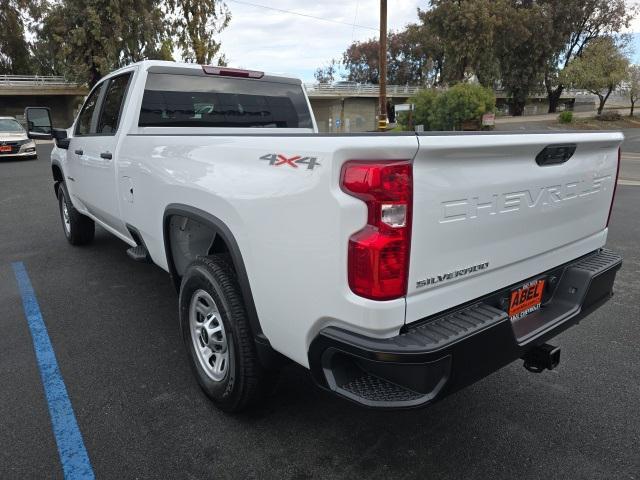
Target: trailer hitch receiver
x=542, y=357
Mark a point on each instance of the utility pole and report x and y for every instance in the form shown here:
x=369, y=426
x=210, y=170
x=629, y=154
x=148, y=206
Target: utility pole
x=382, y=119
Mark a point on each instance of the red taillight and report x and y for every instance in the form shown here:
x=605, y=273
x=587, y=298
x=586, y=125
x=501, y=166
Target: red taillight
x=378, y=263
x=615, y=186
x=231, y=72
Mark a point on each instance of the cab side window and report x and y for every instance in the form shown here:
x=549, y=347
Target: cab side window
x=112, y=105
x=83, y=126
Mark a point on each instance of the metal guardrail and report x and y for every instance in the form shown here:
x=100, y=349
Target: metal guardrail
x=314, y=89
x=319, y=89
x=34, y=80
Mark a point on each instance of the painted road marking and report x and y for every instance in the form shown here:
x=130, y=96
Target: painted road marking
x=71, y=449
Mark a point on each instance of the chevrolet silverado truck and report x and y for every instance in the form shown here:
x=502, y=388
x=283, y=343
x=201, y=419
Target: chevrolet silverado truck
x=396, y=267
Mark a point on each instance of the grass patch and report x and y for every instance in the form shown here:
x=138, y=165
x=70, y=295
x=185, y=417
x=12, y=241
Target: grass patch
x=593, y=123
x=566, y=117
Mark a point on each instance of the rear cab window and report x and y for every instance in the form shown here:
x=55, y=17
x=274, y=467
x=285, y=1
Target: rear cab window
x=175, y=100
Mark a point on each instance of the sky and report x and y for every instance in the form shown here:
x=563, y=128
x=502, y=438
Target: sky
x=277, y=42
x=271, y=40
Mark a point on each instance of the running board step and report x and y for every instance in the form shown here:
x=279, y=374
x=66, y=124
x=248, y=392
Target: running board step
x=139, y=254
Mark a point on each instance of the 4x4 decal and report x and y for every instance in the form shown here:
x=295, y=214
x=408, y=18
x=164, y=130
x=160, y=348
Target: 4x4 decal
x=277, y=160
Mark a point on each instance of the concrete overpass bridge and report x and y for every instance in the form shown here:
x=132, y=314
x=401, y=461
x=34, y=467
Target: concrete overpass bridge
x=340, y=107
x=401, y=92
x=61, y=96
x=350, y=107
x=355, y=106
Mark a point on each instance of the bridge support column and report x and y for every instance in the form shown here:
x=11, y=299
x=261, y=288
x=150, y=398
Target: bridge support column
x=356, y=112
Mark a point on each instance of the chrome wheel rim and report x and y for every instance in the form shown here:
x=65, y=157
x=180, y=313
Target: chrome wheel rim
x=208, y=335
x=65, y=216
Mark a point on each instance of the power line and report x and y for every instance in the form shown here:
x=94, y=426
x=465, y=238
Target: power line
x=353, y=25
x=355, y=17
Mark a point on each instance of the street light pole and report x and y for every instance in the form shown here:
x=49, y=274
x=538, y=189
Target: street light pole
x=382, y=73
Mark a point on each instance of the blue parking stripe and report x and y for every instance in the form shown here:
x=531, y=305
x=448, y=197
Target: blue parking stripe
x=73, y=454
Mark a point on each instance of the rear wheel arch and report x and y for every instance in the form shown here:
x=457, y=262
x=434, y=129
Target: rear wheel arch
x=221, y=240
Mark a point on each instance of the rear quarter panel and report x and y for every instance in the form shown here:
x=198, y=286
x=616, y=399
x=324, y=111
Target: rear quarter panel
x=291, y=224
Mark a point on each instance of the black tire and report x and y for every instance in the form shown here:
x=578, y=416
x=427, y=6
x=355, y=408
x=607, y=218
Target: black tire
x=80, y=229
x=245, y=381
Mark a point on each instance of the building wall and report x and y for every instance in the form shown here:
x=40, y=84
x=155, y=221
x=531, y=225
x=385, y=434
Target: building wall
x=63, y=107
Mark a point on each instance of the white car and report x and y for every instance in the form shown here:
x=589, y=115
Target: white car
x=14, y=142
x=397, y=268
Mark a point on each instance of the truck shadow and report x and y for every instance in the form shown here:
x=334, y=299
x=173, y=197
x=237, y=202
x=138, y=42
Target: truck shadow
x=508, y=425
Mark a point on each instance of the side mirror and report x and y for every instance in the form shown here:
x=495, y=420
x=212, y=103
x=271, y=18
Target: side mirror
x=39, y=124
x=60, y=136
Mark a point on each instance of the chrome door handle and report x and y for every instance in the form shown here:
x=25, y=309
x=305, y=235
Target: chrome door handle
x=106, y=155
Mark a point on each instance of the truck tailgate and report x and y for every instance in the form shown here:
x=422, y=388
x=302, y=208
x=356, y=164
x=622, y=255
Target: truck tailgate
x=488, y=213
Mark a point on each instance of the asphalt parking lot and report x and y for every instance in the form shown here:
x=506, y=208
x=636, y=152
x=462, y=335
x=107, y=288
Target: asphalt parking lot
x=113, y=326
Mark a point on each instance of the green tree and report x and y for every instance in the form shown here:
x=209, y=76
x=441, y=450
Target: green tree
x=461, y=103
x=197, y=24
x=406, y=60
x=452, y=108
x=465, y=31
x=634, y=86
x=427, y=54
x=599, y=70
x=14, y=49
x=522, y=43
x=520, y=49
x=47, y=57
x=86, y=39
x=327, y=74
x=574, y=25
x=361, y=61
x=501, y=42
x=144, y=31
x=423, y=106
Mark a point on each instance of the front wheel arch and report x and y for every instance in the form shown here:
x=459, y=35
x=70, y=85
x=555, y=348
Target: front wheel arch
x=58, y=177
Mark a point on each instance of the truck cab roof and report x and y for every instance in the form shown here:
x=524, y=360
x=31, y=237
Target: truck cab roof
x=165, y=66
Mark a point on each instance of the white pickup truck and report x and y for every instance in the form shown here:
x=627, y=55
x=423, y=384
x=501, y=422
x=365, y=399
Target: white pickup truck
x=398, y=268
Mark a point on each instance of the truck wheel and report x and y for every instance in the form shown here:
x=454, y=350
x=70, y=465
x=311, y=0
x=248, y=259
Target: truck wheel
x=78, y=228
x=216, y=332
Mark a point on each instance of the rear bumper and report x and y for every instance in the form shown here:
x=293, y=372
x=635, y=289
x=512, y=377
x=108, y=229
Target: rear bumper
x=438, y=355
